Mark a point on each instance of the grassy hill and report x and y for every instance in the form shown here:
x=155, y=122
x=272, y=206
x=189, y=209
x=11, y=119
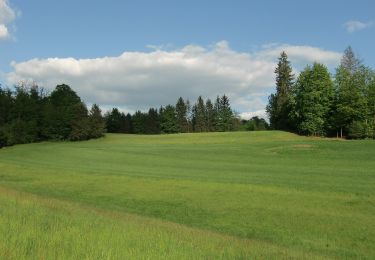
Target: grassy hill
x=211, y=195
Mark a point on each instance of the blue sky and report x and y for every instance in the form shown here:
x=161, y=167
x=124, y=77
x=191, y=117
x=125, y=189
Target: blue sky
x=96, y=29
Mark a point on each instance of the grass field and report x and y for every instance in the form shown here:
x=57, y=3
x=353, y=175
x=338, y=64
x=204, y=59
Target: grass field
x=188, y=196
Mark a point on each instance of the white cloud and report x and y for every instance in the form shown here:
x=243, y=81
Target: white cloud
x=138, y=80
x=259, y=113
x=354, y=26
x=3, y=31
x=302, y=55
x=7, y=16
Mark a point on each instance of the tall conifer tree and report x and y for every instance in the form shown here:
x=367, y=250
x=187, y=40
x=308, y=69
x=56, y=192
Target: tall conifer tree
x=279, y=105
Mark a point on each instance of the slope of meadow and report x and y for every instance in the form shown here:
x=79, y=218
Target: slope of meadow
x=213, y=195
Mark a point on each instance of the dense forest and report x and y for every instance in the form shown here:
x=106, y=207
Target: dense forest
x=28, y=114
x=203, y=116
x=318, y=104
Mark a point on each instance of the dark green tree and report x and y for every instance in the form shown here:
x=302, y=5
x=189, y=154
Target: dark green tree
x=279, y=104
x=80, y=126
x=168, y=120
x=6, y=106
x=114, y=121
x=139, y=122
x=210, y=116
x=152, y=124
x=225, y=115
x=96, y=122
x=199, y=117
x=181, y=114
x=60, y=111
x=256, y=124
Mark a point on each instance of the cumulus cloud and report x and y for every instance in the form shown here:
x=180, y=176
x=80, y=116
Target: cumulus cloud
x=139, y=80
x=354, y=26
x=259, y=113
x=7, y=16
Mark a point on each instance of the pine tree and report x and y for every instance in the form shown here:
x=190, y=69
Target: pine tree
x=225, y=115
x=199, y=117
x=210, y=116
x=96, y=122
x=168, y=120
x=278, y=108
x=139, y=122
x=79, y=123
x=181, y=114
x=113, y=121
x=349, y=61
x=60, y=112
x=152, y=122
x=189, y=116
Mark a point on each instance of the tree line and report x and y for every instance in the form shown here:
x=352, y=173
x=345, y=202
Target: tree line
x=28, y=114
x=317, y=103
x=203, y=116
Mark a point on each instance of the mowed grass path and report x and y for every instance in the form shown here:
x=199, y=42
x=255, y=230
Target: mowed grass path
x=243, y=194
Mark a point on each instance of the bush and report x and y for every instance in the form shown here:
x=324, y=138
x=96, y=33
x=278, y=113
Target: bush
x=361, y=129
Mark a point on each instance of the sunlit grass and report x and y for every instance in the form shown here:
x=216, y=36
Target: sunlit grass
x=267, y=193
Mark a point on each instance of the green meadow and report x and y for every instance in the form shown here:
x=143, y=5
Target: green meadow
x=235, y=195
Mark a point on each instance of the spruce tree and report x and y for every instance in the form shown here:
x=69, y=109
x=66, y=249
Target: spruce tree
x=168, y=120
x=181, y=114
x=96, y=122
x=225, y=115
x=113, y=121
x=278, y=108
x=210, y=116
x=199, y=111
x=152, y=125
x=139, y=122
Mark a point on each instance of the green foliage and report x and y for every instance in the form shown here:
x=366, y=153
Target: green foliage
x=210, y=116
x=152, y=124
x=199, y=116
x=225, y=115
x=168, y=121
x=361, y=129
x=202, y=117
x=6, y=106
x=278, y=108
x=181, y=115
x=28, y=115
x=3, y=138
x=80, y=123
x=61, y=107
x=256, y=124
x=96, y=122
x=351, y=98
x=316, y=105
x=138, y=122
x=313, y=95
x=114, y=121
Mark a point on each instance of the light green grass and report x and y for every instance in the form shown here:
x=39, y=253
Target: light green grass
x=245, y=194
